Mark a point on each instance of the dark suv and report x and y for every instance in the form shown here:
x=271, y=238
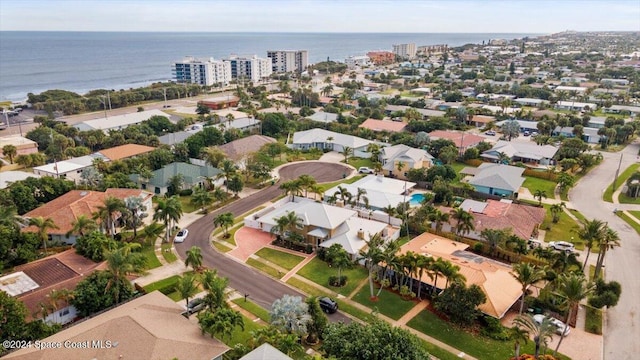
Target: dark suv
x=195, y=305
x=328, y=305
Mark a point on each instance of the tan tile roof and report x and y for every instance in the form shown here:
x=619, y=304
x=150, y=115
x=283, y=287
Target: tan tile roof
x=125, y=151
x=383, y=125
x=237, y=149
x=67, y=208
x=495, y=279
x=462, y=140
x=148, y=327
x=483, y=119
x=60, y=271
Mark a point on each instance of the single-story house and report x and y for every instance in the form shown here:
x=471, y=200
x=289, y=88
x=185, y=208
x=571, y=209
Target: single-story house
x=238, y=150
x=70, y=169
x=380, y=192
x=193, y=175
x=329, y=140
x=462, y=140
x=525, y=125
x=180, y=136
x=495, y=179
x=619, y=109
x=23, y=145
x=66, y=209
x=521, y=151
x=494, y=278
x=220, y=102
x=148, y=327
x=426, y=113
x=531, y=102
x=32, y=283
x=481, y=121
x=383, y=125
x=575, y=106
x=118, y=122
x=597, y=122
x=411, y=158
x=9, y=177
x=124, y=151
x=323, y=224
x=243, y=124
x=323, y=117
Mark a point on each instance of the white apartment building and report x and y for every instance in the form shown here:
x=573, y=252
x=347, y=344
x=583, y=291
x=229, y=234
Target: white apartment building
x=357, y=61
x=405, y=51
x=205, y=72
x=284, y=61
x=249, y=68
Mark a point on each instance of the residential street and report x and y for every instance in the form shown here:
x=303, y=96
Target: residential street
x=622, y=323
x=261, y=288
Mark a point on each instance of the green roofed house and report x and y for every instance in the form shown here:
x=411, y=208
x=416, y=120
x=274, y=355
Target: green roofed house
x=193, y=175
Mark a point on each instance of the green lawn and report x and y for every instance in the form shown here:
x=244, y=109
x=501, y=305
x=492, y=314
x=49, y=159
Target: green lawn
x=389, y=303
x=458, y=166
x=168, y=256
x=327, y=186
x=319, y=272
x=151, y=260
x=534, y=184
x=283, y=259
x=264, y=268
x=221, y=247
x=167, y=283
x=359, y=162
x=608, y=194
x=187, y=207
x=577, y=214
x=635, y=213
x=593, y=321
x=472, y=344
x=624, y=199
x=239, y=336
x=253, y=308
x=629, y=221
x=563, y=230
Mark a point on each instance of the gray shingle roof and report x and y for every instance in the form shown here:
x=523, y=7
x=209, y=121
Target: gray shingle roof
x=498, y=176
x=190, y=172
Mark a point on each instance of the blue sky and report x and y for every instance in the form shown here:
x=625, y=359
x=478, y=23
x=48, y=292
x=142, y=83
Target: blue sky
x=482, y=16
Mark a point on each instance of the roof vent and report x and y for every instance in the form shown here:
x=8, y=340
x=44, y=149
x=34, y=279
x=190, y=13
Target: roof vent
x=84, y=193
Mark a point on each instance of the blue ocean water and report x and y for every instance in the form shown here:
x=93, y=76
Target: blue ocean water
x=83, y=61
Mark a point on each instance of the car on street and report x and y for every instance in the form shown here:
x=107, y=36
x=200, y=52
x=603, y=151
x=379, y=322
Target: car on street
x=561, y=328
x=328, y=305
x=181, y=236
x=526, y=133
x=490, y=132
x=365, y=170
x=195, y=305
x=562, y=246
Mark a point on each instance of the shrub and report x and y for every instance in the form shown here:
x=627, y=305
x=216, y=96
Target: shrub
x=406, y=293
x=186, y=192
x=473, y=162
x=338, y=281
x=492, y=328
x=478, y=247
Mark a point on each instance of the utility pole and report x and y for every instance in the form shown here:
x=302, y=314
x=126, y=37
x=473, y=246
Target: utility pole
x=615, y=179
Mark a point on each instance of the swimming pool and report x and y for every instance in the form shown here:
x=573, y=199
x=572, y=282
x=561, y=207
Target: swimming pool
x=416, y=199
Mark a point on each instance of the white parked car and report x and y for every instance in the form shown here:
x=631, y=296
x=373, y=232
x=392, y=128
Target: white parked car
x=561, y=328
x=562, y=246
x=365, y=170
x=181, y=236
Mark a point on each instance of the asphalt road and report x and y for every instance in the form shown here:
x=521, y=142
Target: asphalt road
x=622, y=322
x=261, y=288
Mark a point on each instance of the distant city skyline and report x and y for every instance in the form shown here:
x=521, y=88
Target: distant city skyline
x=371, y=16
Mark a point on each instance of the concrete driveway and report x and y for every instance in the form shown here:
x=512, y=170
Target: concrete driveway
x=622, y=322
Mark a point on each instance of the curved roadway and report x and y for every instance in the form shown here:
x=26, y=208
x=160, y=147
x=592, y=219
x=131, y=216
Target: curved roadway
x=262, y=289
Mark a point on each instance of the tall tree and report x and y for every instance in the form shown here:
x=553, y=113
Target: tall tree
x=201, y=198
x=187, y=287
x=464, y=223
x=169, y=211
x=539, y=194
x=573, y=288
x=591, y=232
x=339, y=258
x=541, y=333
x=290, y=314
x=556, y=210
x=43, y=225
x=608, y=241
x=318, y=322
x=220, y=323
x=372, y=255
x=135, y=212
x=107, y=213
x=306, y=182
x=292, y=187
x=11, y=151
x=225, y=221
x=527, y=275
x=194, y=258
x=120, y=263
x=9, y=217
x=347, y=152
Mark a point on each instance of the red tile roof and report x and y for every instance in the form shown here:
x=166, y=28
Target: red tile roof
x=523, y=219
x=462, y=140
x=383, y=125
x=67, y=208
x=125, y=151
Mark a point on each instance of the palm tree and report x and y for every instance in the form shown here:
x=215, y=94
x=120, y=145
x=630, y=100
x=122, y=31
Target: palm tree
x=527, y=275
x=360, y=194
x=436, y=270
x=451, y=272
x=122, y=262
x=187, y=287
x=339, y=257
x=144, y=174
x=306, y=182
x=591, y=232
x=107, y=212
x=9, y=217
x=201, y=198
x=539, y=194
x=347, y=151
x=152, y=231
x=43, y=225
x=221, y=322
x=541, y=333
x=225, y=221
x=372, y=256
x=194, y=258
x=573, y=288
x=327, y=90
x=344, y=194
x=439, y=218
x=175, y=184
x=423, y=263
x=168, y=210
x=219, y=195
x=82, y=225
x=213, y=156
x=519, y=336
x=495, y=238
x=609, y=240
x=391, y=211
x=135, y=213
x=228, y=169
x=293, y=187
x=556, y=210
x=464, y=219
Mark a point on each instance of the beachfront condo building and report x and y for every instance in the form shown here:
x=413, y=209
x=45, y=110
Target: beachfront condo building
x=206, y=72
x=357, y=61
x=249, y=68
x=405, y=51
x=285, y=61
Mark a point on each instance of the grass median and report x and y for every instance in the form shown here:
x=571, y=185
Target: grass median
x=608, y=194
x=319, y=272
x=280, y=258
